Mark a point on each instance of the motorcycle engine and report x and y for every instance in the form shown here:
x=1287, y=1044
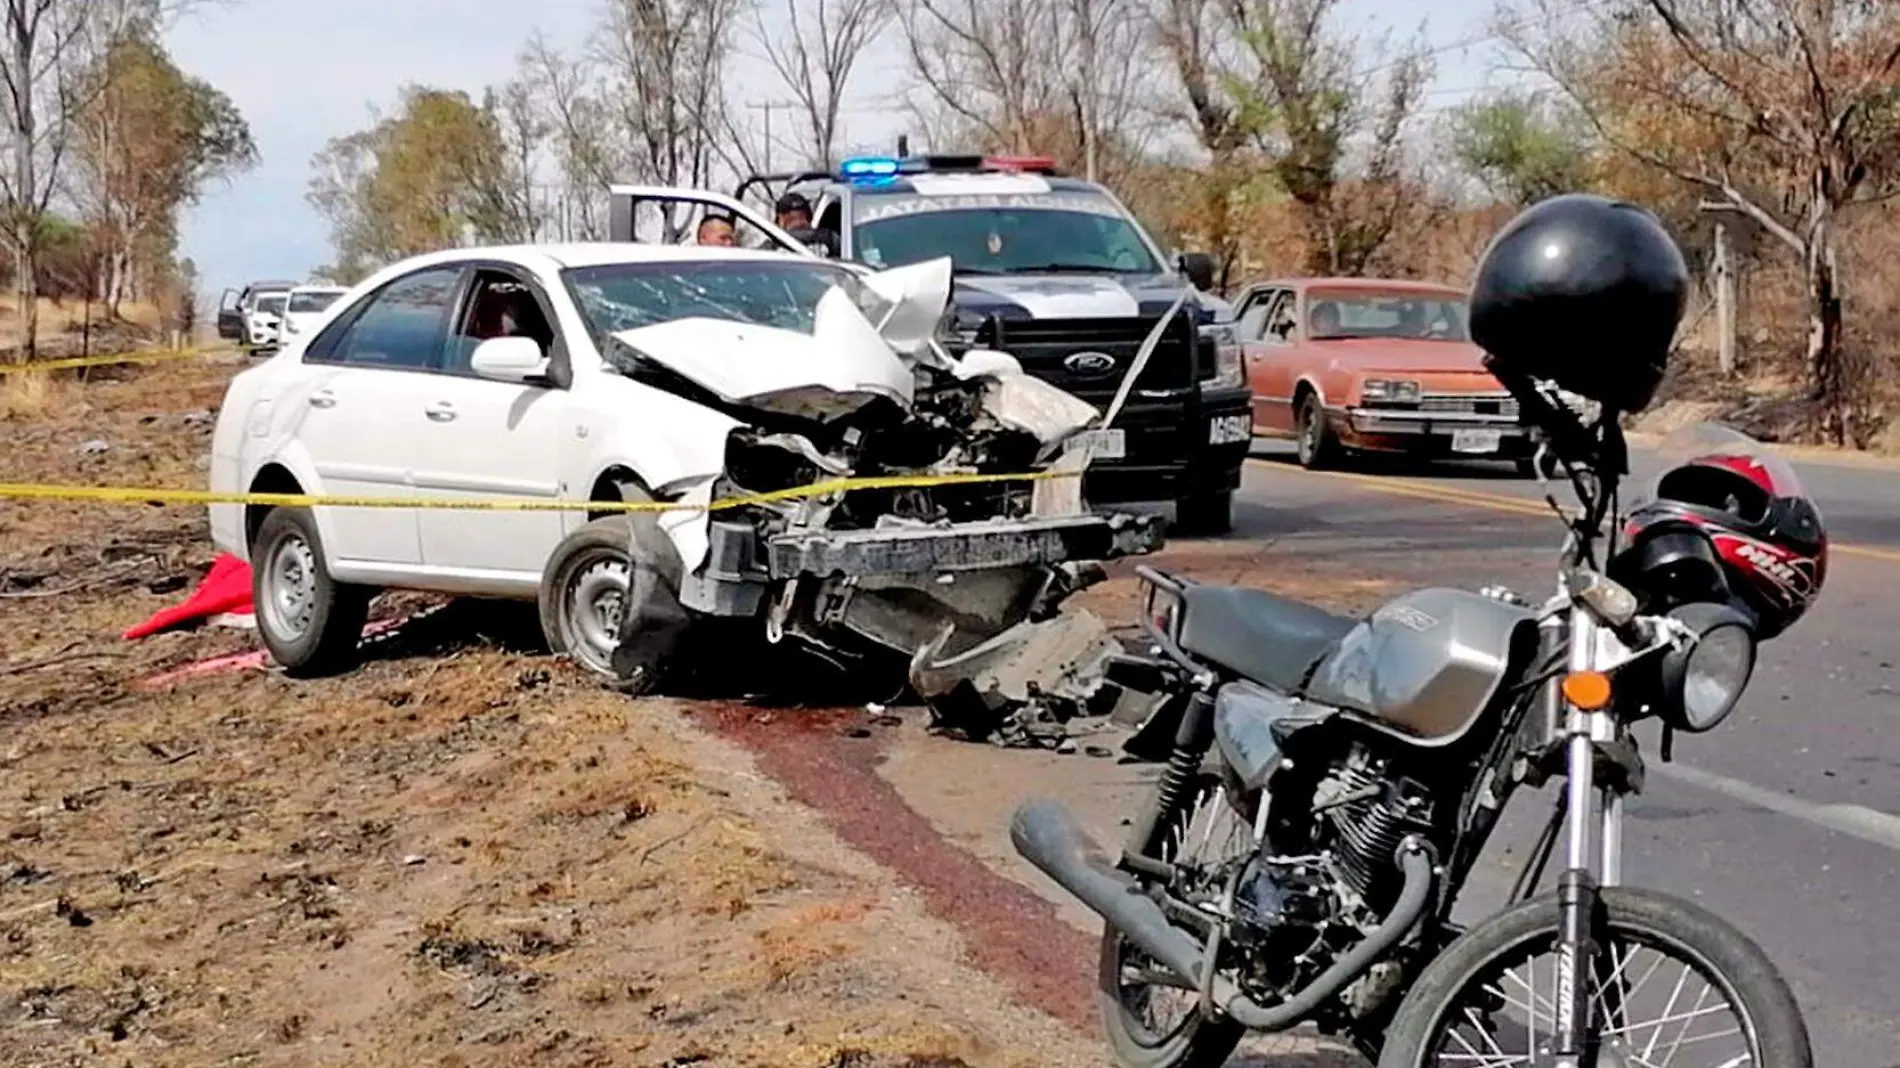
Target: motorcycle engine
x=1370, y=811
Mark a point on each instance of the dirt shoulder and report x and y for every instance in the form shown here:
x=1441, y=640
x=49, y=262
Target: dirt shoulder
x=462, y=851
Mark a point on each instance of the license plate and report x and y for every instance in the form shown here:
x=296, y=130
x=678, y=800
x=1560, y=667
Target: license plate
x=1110, y=444
x=1475, y=440
x=1228, y=429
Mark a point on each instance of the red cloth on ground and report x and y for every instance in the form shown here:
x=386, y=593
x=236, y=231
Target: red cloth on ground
x=226, y=588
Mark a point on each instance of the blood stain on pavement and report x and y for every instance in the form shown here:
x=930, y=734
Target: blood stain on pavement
x=823, y=760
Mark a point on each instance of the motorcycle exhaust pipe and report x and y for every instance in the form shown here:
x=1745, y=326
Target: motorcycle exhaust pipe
x=1046, y=835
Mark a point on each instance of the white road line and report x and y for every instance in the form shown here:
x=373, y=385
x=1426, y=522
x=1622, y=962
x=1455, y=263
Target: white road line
x=1858, y=821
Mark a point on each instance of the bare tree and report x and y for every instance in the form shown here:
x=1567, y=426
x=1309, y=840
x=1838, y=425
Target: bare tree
x=1782, y=111
x=816, y=53
x=662, y=68
x=1192, y=34
x=995, y=65
x=579, y=131
x=1309, y=104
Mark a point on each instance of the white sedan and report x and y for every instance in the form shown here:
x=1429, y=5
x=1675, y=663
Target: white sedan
x=304, y=308
x=606, y=372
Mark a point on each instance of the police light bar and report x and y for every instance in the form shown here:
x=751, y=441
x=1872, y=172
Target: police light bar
x=1020, y=164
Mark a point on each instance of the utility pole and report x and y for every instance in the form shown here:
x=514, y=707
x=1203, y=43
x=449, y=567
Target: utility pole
x=1722, y=270
x=769, y=106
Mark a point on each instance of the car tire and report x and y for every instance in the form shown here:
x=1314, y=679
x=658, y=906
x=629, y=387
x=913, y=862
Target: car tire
x=311, y=623
x=1316, y=446
x=1205, y=513
x=619, y=630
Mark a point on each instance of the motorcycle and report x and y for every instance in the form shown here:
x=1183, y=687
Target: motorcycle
x=1330, y=783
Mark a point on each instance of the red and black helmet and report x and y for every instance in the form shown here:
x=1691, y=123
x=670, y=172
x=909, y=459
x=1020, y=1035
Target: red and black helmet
x=1731, y=524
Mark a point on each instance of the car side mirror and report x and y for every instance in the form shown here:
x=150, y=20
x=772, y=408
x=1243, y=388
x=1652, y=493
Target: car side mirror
x=509, y=359
x=1198, y=268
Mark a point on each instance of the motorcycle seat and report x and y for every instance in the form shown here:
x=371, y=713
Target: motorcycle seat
x=1273, y=640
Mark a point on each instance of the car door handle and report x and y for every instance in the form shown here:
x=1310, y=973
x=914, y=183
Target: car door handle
x=440, y=411
x=323, y=398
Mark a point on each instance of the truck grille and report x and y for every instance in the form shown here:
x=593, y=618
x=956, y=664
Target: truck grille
x=1043, y=346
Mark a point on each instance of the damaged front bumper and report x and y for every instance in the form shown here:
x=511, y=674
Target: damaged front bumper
x=972, y=606
x=741, y=567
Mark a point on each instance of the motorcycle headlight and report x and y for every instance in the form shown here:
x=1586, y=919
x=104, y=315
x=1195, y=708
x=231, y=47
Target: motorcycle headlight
x=1703, y=680
x=1229, y=371
x=1402, y=390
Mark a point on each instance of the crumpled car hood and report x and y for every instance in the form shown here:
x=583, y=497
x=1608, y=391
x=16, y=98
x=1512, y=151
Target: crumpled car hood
x=833, y=371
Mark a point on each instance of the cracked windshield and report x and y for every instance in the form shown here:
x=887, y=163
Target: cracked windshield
x=785, y=296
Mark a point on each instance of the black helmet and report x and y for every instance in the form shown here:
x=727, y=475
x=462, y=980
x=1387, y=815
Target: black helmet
x=1584, y=292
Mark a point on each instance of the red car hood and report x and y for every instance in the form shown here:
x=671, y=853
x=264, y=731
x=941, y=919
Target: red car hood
x=1367, y=355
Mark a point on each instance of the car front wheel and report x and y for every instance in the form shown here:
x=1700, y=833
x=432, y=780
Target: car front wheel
x=1317, y=448
x=312, y=624
x=610, y=599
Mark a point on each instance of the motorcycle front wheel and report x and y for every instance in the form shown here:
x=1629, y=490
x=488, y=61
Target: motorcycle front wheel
x=1674, y=986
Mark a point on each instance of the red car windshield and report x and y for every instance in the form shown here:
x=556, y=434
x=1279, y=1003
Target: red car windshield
x=1338, y=314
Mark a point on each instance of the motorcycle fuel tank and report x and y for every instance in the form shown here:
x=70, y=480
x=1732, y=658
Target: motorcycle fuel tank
x=1425, y=664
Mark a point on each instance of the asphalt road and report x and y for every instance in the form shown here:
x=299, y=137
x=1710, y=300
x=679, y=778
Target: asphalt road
x=1786, y=821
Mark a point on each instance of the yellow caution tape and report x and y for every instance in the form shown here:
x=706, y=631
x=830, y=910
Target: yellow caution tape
x=43, y=491
x=156, y=356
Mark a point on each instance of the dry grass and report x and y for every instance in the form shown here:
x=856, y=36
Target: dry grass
x=462, y=853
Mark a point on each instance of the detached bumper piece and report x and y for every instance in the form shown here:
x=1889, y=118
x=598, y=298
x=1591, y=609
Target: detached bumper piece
x=1003, y=543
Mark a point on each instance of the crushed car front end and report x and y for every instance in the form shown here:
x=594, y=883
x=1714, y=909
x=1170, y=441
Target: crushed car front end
x=882, y=502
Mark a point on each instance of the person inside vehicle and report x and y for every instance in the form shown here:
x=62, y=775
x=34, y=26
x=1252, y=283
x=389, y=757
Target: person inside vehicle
x=1323, y=319
x=716, y=230
x=794, y=213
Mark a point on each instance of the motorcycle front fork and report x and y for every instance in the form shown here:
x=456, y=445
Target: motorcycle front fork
x=1593, y=858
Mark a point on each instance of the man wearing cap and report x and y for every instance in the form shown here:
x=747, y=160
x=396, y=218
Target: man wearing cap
x=794, y=212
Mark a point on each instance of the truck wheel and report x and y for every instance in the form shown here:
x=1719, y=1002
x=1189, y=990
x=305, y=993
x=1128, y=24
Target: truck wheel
x=1205, y=513
x=311, y=623
x=1317, y=446
x=617, y=621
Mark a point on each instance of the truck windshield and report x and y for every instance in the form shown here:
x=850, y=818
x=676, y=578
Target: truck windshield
x=1009, y=235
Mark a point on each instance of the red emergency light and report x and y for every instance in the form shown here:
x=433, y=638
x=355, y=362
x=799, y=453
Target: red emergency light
x=1020, y=164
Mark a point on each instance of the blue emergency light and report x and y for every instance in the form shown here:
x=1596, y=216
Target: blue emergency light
x=867, y=168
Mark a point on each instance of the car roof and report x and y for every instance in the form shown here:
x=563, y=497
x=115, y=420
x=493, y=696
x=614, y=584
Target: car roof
x=319, y=287
x=1371, y=285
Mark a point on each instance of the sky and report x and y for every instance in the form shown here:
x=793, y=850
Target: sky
x=302, y=78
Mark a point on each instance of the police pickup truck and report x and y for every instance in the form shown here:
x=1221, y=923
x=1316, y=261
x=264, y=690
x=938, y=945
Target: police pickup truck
x=1057, y=272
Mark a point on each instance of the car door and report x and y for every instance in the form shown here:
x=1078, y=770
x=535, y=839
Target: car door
x=1271, y=361
x=488, y=438
x=362, y=414
x=230, y=317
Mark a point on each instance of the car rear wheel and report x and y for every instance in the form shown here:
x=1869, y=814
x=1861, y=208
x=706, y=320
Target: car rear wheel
x=610, y=598
x=1316, y=444
x=311, y=623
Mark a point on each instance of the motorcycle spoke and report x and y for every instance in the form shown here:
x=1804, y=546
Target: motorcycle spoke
x=1678, y=1025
